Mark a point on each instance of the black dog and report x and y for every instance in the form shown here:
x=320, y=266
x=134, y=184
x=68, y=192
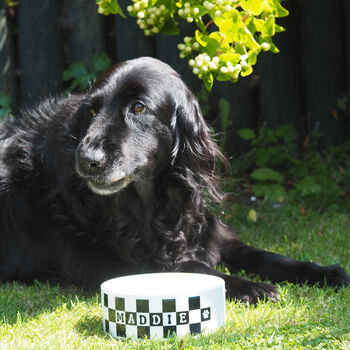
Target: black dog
x=117, y=181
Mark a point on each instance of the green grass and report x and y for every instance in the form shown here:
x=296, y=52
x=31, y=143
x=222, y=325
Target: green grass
x=41, y=316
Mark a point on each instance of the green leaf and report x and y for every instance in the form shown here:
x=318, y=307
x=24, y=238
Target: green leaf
x=222, y=77
x=201, y=38
x=281, y=131
x=252, y=216
x=228, y=28
x=236, y=31
x=75, y=70
x=170, y=27
x=202, y=10
x=277, y=194
x=278, y=9
x=268, y=29
x=117, y=10
x=101, y=62
x=299, y=170
x=5, y=100
x=247, y=134
x=208, y=80
x=274, y=48
x=220, y=40
x=107, y=7
x=211, y=42
x=247, y=71
x=270, y=191
x=250, y=24
x=5, y=105
x=82, y=82
x=308, y=185
x=246, y=37
x=266, y=174
x=262, y=156
x=287, y=132
x=240, y=49
x=255, y=6
x=253, y=55
x=234, y=58
x=279, y=29
x=200, y=24
x=259, y=24
x=169, y=4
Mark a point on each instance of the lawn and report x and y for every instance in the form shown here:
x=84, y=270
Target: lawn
x=41, y=316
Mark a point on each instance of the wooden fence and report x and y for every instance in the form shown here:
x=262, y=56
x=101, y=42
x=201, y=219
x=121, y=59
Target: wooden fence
x=306, y=84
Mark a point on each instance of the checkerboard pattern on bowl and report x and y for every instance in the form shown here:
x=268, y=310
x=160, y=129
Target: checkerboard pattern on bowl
x=149, y=318
x=162, y=304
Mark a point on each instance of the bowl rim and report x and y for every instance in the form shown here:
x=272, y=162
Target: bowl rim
x=178, y=284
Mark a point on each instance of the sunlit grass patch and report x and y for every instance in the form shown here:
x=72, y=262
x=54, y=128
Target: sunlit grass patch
x=41, y=316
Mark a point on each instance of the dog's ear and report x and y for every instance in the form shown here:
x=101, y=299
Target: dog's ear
x=194, y=152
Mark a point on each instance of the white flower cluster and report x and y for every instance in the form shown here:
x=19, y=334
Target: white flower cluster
x=149, y=19
x=188, y=12
x=233, y=71
x=202, y=64
x=220, y=6
x=188, y=46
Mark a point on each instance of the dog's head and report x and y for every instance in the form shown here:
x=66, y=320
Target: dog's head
x=138, y=119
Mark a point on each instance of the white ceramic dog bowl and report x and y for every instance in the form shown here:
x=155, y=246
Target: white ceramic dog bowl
x=160, y=304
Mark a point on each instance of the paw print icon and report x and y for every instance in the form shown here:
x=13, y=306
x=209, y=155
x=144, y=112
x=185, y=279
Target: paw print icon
x=205, y=314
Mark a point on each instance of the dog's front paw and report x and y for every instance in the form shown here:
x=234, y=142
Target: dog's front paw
x=245, y=290
x=336, y=276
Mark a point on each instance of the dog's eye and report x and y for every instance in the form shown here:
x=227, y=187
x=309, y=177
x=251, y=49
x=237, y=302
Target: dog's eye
x=138, y=108
x=92, y=112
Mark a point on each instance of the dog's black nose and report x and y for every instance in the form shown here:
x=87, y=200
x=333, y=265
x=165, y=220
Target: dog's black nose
x=92, y=162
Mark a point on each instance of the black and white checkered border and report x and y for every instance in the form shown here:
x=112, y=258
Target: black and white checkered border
x=140, y=322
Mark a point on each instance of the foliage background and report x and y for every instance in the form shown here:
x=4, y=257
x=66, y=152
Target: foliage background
x=306, y=84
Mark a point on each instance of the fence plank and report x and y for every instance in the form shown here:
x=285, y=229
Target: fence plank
x=130, y=39
x=323, y=66
x=280, y=97
x=7, y=77
x=347, y=45
x=40, y=53
x=84, y=36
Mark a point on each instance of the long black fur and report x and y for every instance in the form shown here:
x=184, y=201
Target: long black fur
x=118, y=180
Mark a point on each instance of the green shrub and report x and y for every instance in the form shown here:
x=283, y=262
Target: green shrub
x=280, y=170
x=5, y=105
x=77, y=75
x=229, y=34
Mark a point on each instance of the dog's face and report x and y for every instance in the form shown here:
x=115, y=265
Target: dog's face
x=128, y=118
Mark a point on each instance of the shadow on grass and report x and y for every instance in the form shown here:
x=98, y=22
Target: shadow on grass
x=90, y=326
x=22, y=302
